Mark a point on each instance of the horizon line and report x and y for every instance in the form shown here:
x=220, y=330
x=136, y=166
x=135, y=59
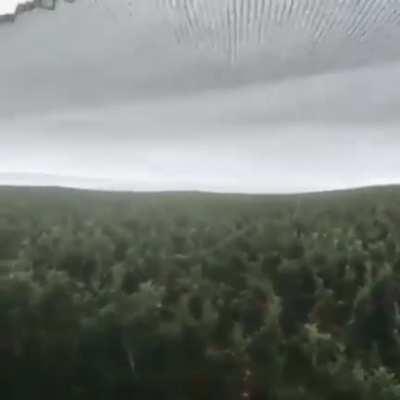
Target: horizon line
x=198, y=191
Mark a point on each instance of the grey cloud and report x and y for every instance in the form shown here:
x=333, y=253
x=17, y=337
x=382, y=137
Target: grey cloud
x=156, y=99
x=83, y=54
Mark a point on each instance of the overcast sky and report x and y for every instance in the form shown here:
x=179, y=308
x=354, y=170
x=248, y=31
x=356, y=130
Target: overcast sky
x=93, y=97
x=8, y=6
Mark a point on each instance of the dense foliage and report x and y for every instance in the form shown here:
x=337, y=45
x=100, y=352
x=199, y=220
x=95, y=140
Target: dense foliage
x=199, y=296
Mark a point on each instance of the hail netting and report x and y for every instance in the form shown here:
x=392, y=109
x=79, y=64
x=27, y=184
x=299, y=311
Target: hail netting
x=281, y=26
x=230, y=25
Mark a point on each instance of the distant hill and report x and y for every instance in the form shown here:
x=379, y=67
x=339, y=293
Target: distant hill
x=40, y=180
x=53, y=184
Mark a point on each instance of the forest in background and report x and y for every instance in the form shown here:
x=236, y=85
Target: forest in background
x=192, y=296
